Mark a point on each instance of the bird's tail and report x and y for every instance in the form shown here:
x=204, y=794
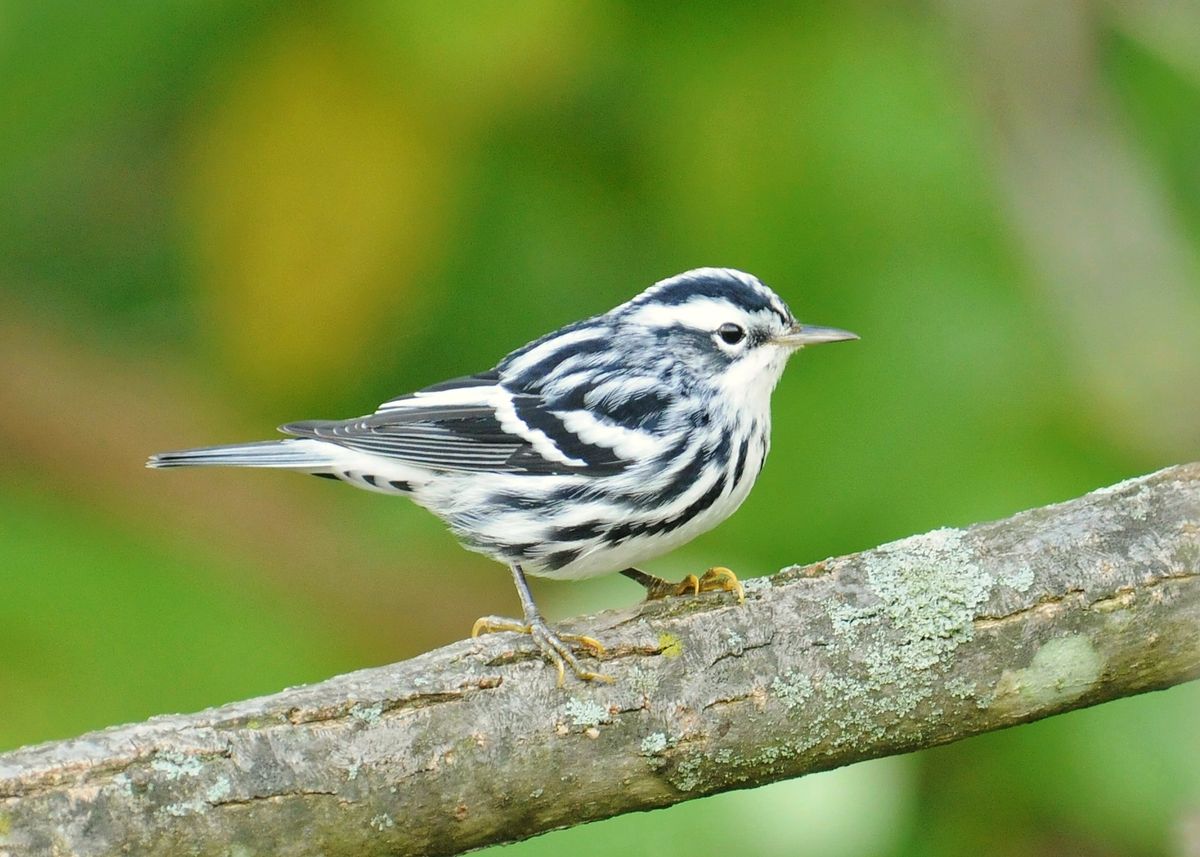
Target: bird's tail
x=291, y=454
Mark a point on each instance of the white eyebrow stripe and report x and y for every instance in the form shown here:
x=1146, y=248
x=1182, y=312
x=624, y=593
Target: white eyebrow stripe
x=701, y=313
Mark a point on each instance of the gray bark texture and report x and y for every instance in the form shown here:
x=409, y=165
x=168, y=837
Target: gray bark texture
x=920, y=642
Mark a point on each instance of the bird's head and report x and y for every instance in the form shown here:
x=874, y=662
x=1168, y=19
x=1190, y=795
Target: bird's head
x=725, y=325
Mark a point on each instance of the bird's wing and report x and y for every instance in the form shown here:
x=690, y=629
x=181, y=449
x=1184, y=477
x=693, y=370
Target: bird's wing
x=470, y=424
x=566, y=403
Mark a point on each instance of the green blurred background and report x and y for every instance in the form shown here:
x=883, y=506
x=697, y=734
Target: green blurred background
x=216, y=217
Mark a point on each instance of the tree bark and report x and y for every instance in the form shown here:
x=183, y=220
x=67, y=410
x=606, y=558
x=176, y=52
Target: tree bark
x=916, y=643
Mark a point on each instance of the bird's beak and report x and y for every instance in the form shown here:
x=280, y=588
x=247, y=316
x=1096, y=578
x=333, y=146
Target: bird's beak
x=800, y=335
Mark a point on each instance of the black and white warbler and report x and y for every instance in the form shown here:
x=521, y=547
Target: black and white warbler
x=603, y=444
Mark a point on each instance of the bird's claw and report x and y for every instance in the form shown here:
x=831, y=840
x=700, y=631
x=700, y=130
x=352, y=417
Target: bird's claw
x=658, y=588
x=556, y=648
x=716, y=579
x=721, y=579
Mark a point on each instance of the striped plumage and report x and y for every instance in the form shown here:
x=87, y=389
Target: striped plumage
x=603, y=444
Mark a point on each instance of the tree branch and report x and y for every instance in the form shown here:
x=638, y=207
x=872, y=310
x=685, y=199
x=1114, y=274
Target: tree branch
x=920, y=642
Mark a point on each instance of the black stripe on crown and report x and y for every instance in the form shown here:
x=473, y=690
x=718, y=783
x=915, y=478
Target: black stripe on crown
x=740, y=289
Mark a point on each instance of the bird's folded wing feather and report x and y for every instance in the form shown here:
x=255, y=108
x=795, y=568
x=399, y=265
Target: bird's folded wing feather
x=472, y=424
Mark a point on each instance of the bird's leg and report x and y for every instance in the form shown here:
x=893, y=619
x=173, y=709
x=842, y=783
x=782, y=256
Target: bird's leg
x=554, y=646
x=716, y=579
x=657, y=588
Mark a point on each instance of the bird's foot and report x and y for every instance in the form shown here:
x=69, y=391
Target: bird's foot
x=716, y=579
x=721, y=579
x=556, y=648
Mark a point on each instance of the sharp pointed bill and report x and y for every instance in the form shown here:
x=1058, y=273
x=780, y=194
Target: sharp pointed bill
x=800, y=335
x=598, y=446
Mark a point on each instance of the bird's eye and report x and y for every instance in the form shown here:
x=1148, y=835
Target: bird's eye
x=731, y=334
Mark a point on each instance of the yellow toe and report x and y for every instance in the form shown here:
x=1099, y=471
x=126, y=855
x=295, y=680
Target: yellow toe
x=721, y=579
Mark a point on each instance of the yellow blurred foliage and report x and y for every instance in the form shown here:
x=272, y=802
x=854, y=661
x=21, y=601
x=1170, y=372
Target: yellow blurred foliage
x=316, y=200
x=475, y=62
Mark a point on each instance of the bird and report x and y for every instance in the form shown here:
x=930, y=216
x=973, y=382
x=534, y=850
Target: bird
x=608, y=442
